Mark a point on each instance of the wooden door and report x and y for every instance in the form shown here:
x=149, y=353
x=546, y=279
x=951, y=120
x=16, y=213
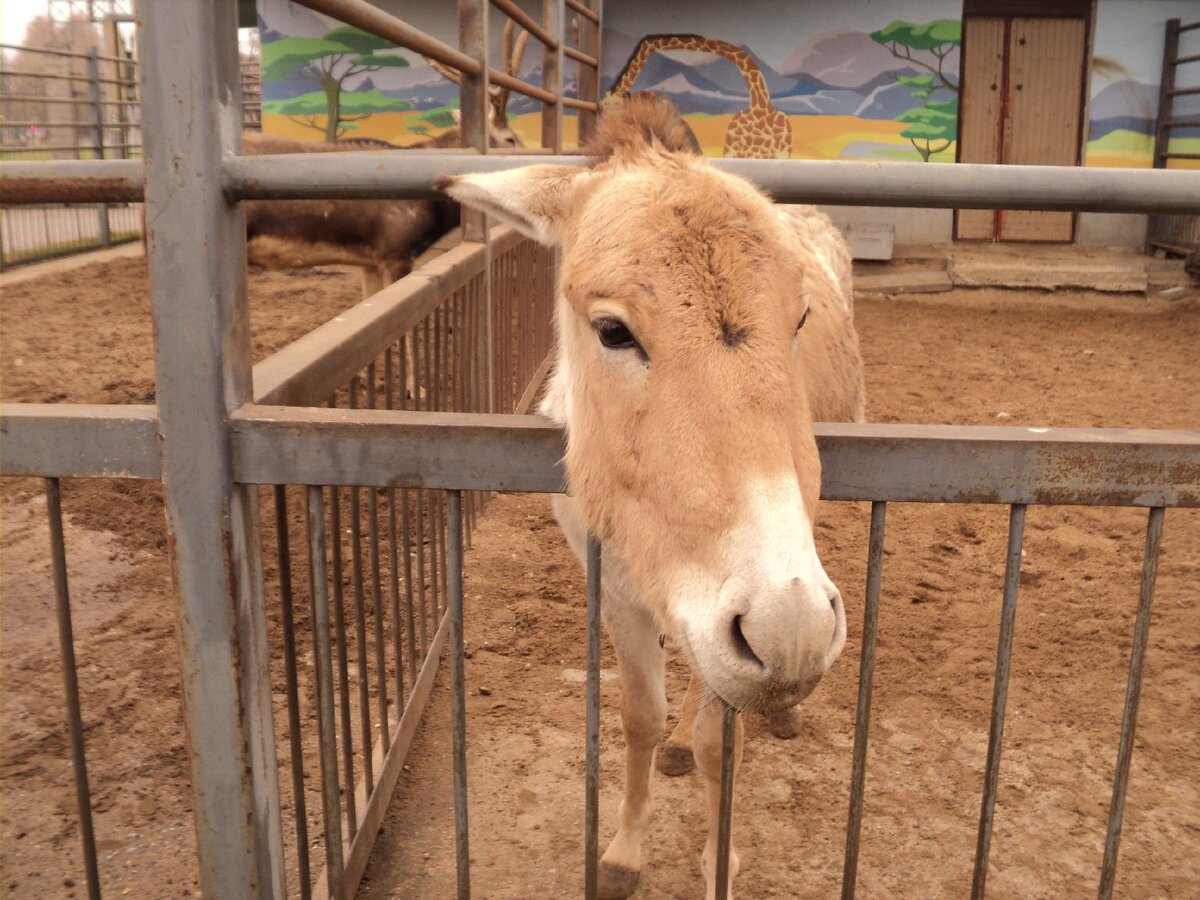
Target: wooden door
x=1022, y=102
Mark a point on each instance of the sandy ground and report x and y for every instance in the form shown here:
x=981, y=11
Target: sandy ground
x=962, y=357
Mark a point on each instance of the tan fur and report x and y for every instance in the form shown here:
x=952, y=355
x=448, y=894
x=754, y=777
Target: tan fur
x=667, y=442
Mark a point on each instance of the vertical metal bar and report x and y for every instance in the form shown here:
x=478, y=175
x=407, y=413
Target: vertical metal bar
x=381, y=680
x=1133, y=693
x=190, y=102
x=66, y=644
x=97, y=116
x=458, y=700
x=339, y=630
x=552, y=114
x=432, y=500
x=866, y=675
x=725, y=810
x=419, y=495
x=319, y=597
x=393, y=552
x=406, y=531
x=473, y=98
x=591, y=821
x=299, y=806
x=360, y=622
x=1008, y=616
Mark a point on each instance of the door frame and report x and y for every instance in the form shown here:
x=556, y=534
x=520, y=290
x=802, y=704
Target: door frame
x=1030, y=9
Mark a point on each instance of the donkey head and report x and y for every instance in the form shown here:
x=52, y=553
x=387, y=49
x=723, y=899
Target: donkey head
x=683, y=380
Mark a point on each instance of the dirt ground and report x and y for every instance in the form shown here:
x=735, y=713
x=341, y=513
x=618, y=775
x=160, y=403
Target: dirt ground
x=981, y=357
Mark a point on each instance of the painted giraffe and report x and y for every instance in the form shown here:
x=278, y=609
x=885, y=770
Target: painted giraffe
x=760, y=131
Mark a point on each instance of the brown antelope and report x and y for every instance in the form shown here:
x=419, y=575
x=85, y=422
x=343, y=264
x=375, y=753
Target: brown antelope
x=382, y=237
x=701, y=331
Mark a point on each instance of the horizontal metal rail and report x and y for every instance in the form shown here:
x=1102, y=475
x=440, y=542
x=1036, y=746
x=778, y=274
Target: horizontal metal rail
x=925, y=463
x=409, y=175
x=56, y=76
x=589, y=14
x=370, y=18
x=495, y=76
x=71, y=181
x=526, y=21
x=580, y=56
x=573, y=103
x=47, y=51
x=70, y=439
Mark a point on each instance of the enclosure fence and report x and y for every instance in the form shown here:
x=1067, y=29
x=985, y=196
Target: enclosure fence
x=1180, y=78
x=61, y=105
x=376, y=438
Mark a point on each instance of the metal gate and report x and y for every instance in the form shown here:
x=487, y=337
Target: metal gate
x=221, y=429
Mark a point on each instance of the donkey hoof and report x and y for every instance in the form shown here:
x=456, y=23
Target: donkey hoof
x=615, y=881
x=784, y=723
x=674, y=760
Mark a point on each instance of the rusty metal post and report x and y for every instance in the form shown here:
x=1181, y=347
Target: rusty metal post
x=552, y=21
x=97, y=116
x=190, y=91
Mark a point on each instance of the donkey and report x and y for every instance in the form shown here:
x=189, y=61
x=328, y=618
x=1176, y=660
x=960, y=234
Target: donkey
x=701, y=331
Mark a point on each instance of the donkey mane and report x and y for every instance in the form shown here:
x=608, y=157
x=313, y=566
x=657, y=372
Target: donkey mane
x=639, y=122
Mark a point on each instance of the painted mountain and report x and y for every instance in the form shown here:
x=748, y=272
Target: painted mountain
x=841, y=73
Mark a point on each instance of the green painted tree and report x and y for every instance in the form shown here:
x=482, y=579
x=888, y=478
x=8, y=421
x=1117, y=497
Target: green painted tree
x=329, y=61
x=936, y=120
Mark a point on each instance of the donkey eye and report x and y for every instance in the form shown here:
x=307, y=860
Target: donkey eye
x=614, y=334
x=803, y=319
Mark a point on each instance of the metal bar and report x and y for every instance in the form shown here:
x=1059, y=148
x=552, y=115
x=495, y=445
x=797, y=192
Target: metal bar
x=97, y=123
x=991, y=778
x=432, y=502
x=360, y=623
x=74, y=439
x=372, y=19
x=71, y=180
x=381, y=697
x=66, y=646
x=52, y=76
x=1182, y=123
x=458, y=701
x=584, y=11
x=343, y=650
x=905, y=184
x=926, y=464
x=390, y=764
x=422, y=605
x=389, y=400
x=1189, y=27
x=585, y=105
x=48, y=51
x=1133, y=693
x=322, y=652
x=862, y=719
x=61, y=101
x=299, y=807
x=1187, y=59
x=1175, y=92
x=580, y=57
x=202, y=364
x=326, y=358
x=725, y=810
x=526, y=21
x=521, y=87
x=552, y=78
x=406, y=526
x=591, y=818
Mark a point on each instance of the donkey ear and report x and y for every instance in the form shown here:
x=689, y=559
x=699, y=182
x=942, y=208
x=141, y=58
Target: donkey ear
x=534, y=198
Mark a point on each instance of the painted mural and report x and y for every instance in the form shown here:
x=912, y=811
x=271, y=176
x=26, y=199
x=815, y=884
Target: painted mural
x=865, y=80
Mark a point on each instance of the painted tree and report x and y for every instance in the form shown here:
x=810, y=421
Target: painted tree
x=330, y=61
x=937, y=119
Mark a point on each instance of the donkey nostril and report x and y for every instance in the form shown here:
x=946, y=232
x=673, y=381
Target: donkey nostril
x=745, y=651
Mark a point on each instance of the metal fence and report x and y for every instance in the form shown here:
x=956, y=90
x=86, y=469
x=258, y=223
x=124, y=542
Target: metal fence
x=57, y=105
x=1178, y=234
x=378, y=435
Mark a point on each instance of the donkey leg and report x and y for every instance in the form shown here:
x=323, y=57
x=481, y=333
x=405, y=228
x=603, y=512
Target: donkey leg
x=641, y=662
x=707, y=744
x=675, y=756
